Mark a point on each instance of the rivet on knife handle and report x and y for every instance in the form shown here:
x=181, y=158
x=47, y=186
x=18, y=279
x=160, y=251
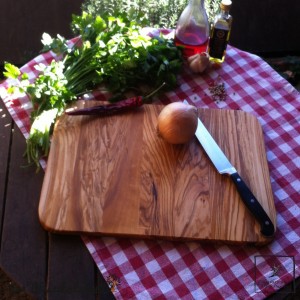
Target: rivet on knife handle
x=267, y=227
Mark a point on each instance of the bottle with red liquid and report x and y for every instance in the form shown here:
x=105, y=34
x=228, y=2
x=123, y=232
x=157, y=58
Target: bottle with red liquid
x=192, y=30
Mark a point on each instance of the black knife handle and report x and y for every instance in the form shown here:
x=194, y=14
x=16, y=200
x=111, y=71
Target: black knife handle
x=267, y=227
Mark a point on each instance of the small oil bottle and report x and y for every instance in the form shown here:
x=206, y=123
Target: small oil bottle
x=220, y=33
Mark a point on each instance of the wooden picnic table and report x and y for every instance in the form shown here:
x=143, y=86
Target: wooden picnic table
x=45, y=265
x=51, y=266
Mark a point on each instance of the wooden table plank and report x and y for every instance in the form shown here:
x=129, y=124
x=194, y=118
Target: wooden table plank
x=31, y=19
x=71, y=273
x=102, y=288
x=24, y=242
x=5, y=136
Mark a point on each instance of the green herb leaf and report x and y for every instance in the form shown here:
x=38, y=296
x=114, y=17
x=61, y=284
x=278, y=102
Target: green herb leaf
x=11, y=71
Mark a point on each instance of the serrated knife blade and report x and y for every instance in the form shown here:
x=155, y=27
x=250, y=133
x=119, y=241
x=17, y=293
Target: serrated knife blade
x=224, y=166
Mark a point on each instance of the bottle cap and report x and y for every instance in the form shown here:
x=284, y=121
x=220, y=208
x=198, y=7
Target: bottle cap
x=225, y=4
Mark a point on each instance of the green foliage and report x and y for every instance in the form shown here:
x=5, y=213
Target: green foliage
x=11, y=71
x=162, y=13
x=112, y=51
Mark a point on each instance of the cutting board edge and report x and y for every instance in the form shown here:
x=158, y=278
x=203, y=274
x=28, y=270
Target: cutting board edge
x=263, y=242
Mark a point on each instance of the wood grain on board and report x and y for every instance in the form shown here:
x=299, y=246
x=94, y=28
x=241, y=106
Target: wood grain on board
x=114, y=176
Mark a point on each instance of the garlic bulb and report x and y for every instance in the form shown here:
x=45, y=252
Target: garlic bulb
x=198, y=63
x=177, y=123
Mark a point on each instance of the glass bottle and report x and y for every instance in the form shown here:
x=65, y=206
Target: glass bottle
x=192, y=30
x=220, y=33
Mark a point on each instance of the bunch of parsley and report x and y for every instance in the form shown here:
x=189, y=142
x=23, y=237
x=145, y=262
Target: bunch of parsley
x=111, y=51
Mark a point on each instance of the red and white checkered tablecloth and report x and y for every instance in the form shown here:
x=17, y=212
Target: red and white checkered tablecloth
x=151, y=269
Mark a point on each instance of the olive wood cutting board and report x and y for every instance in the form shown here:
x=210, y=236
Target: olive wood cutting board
x=115, y=176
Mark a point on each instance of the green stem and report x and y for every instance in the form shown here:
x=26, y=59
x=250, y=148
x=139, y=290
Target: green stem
x=155, y=91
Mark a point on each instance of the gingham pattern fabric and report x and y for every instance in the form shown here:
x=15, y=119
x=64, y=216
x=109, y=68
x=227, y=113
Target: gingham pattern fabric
x=151, y=269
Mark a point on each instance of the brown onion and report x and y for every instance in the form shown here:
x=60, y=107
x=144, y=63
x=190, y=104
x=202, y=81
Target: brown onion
x=177, y=122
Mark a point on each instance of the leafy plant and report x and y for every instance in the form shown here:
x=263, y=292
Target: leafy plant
x=162, y=13
x=111, y=51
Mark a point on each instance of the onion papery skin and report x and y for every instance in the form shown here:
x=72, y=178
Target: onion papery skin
x=177, y=123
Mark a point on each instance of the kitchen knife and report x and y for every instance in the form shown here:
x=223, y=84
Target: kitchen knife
x=224, y=166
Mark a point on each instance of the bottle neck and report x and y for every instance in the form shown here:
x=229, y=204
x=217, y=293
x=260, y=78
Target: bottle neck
x=225, y=12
